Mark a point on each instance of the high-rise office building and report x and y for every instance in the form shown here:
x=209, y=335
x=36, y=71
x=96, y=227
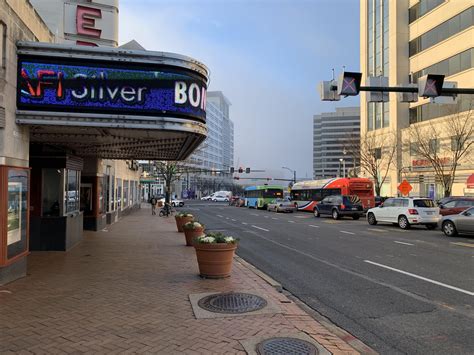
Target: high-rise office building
x=335, y=142
x=404, y=40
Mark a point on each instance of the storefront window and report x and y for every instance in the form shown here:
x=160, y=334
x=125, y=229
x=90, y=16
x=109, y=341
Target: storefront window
x=112, y=191
x=51, y=192
x=71, y=194
x=100, y=193
x=119, y=194
x=125, y=193
x=17, y=213
x=86, y=198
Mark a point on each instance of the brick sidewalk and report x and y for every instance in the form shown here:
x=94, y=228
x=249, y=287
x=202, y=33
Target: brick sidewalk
x=126, y=290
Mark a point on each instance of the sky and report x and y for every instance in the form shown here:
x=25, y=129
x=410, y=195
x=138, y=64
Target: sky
x=266, y=56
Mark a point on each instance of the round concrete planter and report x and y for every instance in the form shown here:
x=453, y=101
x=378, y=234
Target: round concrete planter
x=190, y=234
x=181, y=221
x=215, y=260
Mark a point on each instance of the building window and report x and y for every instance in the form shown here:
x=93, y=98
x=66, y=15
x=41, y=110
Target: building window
x=429, y=111
x=434, y=146
x=71, y=194
x=378, y=153
x=378, y=55
x=413, y=149
x=443, y=31
x=17, y=212
x=456, y=143
x=422, y=7
x=3, y=45
x=450, y=66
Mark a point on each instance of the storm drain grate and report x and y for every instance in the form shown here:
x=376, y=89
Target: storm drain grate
x=232, y=303
x=286, y=346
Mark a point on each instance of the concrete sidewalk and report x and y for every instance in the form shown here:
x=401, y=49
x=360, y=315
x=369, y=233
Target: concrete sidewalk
x=127, y=290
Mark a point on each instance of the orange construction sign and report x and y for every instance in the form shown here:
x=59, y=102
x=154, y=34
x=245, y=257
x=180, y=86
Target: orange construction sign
x=405, y=187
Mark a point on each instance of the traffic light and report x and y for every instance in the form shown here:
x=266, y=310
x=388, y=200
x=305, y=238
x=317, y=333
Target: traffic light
x=232, y=170
x=241, y=170
x=247, y=170
x=430, y=85
x=349, y=83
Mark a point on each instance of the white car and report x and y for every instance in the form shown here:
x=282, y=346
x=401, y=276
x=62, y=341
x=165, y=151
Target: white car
x=206, y=198
x=220, y=198
x=177, y=203
x=406, y=211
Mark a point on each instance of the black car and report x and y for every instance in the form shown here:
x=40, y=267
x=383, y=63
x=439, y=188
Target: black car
x=340, y=205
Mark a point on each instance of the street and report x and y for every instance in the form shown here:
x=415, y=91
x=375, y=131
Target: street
x=399, y=291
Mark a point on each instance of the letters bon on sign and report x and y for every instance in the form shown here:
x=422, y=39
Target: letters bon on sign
x=64, y=86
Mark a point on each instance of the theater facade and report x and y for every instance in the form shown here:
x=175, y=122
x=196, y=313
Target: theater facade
x=70, y=113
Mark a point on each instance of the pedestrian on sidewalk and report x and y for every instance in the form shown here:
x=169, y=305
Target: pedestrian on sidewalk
x=153, y=205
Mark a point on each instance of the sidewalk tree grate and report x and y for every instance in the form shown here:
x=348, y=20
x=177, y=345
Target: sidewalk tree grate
x=282, y=346
x=233, y=302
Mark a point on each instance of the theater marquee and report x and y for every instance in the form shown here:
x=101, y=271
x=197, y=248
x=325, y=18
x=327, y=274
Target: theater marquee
x=155, y=94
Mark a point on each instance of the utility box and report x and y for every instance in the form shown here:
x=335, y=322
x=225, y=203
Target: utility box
x=408, y=96
x=377, y=96
x=326, y=91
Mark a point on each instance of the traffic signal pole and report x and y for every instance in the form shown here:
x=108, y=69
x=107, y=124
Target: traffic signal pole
x=444, y=91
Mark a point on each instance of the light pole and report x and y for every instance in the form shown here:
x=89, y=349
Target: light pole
x=343, y=162
x=293, y=171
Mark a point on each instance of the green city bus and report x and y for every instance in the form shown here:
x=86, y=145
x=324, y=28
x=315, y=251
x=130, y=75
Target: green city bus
x=261, y=196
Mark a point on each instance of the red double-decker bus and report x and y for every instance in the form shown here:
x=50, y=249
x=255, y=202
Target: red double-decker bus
x=306, y=194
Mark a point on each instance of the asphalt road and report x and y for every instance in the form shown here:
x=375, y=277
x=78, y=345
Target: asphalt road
x=397, y=291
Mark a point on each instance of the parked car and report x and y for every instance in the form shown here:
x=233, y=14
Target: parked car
x=406, y=211
x=456, y=205
x=460, y=223
x=281, y=205
x=379, y=200
x=220, y=198
x=340, y=205
x=447, y=199
x=177, y=203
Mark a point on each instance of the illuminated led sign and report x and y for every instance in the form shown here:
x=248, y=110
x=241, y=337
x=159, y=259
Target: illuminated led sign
x=110, y=88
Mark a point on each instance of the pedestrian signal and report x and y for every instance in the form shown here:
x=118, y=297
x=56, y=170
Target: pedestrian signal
x=247, y=170
x=232, y=170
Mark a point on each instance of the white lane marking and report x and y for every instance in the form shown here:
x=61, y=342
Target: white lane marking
x=233, y=220
x=463, y=244
x=219, y=216
x=311, y=225
x=227, y=218
x=395, y=241
x=244, y=223
x=345, y=232
x=376, y=230
x=301, y=217
x=265, y=216
x=254, y=214
x=291, y=221
x=274, y=218
x=422, y=278
x=263, y=229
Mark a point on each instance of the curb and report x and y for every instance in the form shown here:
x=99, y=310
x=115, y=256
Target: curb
x=276, y=285
x=325, y=322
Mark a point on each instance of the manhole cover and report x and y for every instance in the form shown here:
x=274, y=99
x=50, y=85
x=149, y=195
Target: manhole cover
x=286, y=346
x=232, y=303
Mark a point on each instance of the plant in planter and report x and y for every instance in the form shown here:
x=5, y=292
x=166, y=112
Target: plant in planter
x=181, y=219
x=192, y=230
x=215, y=252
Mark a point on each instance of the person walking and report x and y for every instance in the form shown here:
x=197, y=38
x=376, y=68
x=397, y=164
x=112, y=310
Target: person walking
x=153, y=205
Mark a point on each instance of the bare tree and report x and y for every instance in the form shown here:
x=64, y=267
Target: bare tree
x=376, y=153
x=444, y=143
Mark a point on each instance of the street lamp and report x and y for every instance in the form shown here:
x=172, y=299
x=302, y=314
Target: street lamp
x=343, y=162
x=293, y=171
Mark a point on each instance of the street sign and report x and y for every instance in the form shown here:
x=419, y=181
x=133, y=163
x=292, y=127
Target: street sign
x=349, y=83
x=430, y=85
x=404, y=188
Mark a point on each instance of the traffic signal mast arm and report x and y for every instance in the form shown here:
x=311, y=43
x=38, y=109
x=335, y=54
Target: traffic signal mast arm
x=444, y=91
